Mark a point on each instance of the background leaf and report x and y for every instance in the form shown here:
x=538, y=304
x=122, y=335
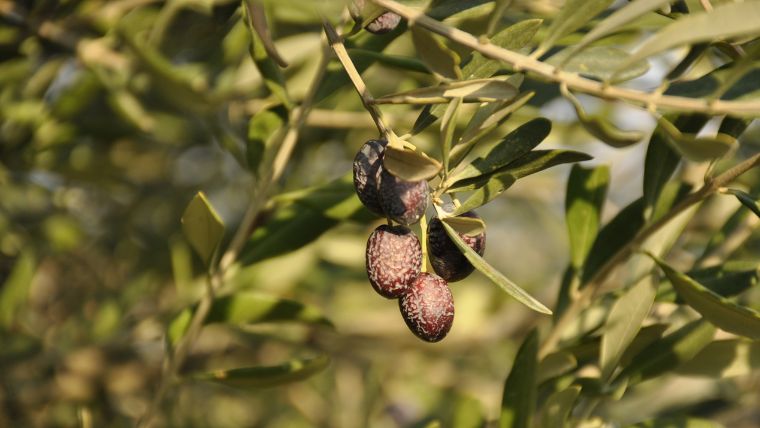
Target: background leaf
x=511, y=288
x=574, y=15
x=724, y=359
x=519, y=398
x=623, y=323
x=410, y=165
x=722, y=312
x=269, y=376
x=203, y=227
x=556, y=410
x=584, y=200
x=438, y=58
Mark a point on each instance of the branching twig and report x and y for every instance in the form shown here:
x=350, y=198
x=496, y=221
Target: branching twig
x=574, y=81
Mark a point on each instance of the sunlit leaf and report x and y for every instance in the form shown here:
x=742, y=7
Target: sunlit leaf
x=724, y=359
x=202, y=227
x=438, y=58
x=494, y=275
x=556, y=364
x=471, y=91
x=726, y=279
x=469, y=226
x=267, y=376
x=556, y=410
x=726, y=20
x=602, y=128
x=623, y=323
x=669, y=352
x=448, y=125
x=690, y=146
x=678, y=422
x=518, y=401
x=599, y=62
x=718, y=310
x=516, y=144
x=262, y=129
x=584, y=200
x=15, y=289
x=574, y=15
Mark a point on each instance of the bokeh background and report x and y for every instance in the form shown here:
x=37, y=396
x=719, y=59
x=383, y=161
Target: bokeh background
x=113, y=114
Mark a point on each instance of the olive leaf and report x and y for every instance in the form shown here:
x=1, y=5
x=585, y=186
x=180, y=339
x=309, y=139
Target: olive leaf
x=15, y=287
x=409, y=164
x=248, y=308
x=746, y=200
x=718, y=310
x=494, y=275
x=698, y=149
x=266, y=376
x=518, y=401
x=202, y=227
x=470, y=91
x=584, y=200
x=724, y=359
x=556, y=410
x=600, y=127
x=439, y=59
x=599, y=62
x=448, y=125
x=574, y=15
x=555, y=364
x=466, y=225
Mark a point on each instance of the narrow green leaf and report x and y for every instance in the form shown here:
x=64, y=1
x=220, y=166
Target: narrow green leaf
x=520, y=389
x=599, y=62
x=615, y=21
x=662, y=160
x=678, y=422
x=718, y=310
x=624, y=322
x=669, y=352
x=489, y=186
x=735, y=222
x=448, y=125
x=262, y=130
x=690, y=146
x=248, y=308
x=723, y=359
x=486, y=119
x=584, y=200
x=555, y=364
x=303, y=217
x=614, y=236
x=574, y=15
x=516, y=144
x=268, y=376
x=645, y=337
x=439, y=59
x=15, y=290
x=600, y=127
x=202, y=227
x=466, y=225
x=513, y=37
x=471, y=91
x=494, y=275
x=746, y=200
x=558, y=406
x=265, y=56
x=410, y=165
x=395, y=61
x=725, y=279
x=724, y=21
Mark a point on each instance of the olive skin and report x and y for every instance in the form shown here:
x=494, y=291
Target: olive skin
x=447, y=260
x=368, y=163
x=403, y=201
x=428, y=307
x=393, y=259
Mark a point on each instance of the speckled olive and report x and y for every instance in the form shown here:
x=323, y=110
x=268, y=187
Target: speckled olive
x=367, y=166
x=447, y=260
x=403, y=201
x=384, y=23
x=428, y=307
x=394, y=259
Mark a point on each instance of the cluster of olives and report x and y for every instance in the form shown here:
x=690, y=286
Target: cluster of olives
x=394, y=254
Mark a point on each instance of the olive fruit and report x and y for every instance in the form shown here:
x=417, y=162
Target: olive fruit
x=428, y=307
x=447, y=260
x=394, y=259
x=384, y=23
x=403, y=201
x=367, y=166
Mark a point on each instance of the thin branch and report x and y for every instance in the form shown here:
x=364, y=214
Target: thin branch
x=574, y=81
x=356, y=79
